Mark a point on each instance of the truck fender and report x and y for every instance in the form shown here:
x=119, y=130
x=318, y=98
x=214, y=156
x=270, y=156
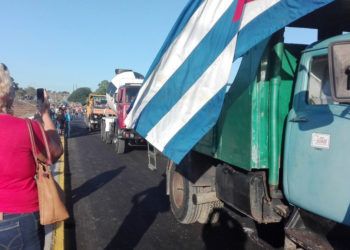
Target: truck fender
x=198, y=169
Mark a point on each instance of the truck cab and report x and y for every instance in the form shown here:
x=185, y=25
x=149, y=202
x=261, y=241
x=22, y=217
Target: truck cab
x=317, y=140
x=125, y=138
x=120, y=94
x=124, y=99
x=95, y=111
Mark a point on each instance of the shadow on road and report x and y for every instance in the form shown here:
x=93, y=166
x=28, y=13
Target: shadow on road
x=94, y=184
x=146, y=206
x=69, y=225
x=226, y=233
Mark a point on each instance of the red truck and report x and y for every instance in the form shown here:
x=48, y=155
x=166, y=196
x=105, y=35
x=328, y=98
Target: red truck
x=114, y=129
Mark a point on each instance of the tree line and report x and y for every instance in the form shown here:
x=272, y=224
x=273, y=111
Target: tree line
x=81, y=94
x=29, y=93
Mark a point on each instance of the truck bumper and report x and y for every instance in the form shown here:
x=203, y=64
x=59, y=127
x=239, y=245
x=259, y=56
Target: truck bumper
x=132, y=137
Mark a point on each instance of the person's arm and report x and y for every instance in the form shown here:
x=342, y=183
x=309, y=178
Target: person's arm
x=53, y=138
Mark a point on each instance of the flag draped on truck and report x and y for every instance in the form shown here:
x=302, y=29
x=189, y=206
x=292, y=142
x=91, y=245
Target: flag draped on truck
x=184, y=89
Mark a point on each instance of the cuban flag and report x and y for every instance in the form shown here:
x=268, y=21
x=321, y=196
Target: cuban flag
x=184, y=89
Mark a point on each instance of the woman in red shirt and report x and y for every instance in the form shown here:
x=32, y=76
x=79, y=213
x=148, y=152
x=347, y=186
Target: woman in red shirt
x=19, y=217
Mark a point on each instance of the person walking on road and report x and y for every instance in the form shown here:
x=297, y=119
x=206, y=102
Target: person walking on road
x=60, y=120
x=19, y=206
x=67, y=119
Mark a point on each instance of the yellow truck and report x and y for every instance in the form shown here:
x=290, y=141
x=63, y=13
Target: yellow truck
x=96, y=109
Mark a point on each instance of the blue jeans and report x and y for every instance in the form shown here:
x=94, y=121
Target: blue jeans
x=67, y=129
x=21, y=231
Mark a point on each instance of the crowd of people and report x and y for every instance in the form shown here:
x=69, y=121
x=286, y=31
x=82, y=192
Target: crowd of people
x=62, y=119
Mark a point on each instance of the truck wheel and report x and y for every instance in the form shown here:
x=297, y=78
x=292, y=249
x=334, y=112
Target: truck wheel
x=109, y=134
x=103, y=133
x=108, y=138
x=181, y=191
x=208, y=214
x=120, y=146
x=88, y=124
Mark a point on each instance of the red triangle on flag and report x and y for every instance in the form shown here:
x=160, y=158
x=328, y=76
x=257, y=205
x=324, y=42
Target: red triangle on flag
x=239, y=9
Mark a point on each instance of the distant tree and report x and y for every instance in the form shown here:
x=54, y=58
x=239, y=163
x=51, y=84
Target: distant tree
x=79, y=95
x=30, y=92
x=20, y=93
x=102, y=87
x=15, y=84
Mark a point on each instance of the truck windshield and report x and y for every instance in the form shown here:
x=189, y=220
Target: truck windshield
x=131, y=94
x=100, y=102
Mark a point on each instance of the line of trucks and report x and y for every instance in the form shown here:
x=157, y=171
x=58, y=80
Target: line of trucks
x=278, y=152
x=121, y=92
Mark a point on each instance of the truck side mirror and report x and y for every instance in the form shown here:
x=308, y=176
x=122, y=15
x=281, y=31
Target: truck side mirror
x=339, y=70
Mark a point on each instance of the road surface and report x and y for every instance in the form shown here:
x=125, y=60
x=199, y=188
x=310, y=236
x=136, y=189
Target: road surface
x=118, y=203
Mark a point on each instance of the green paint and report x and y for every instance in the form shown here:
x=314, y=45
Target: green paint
x=249, y=131
x=275, y=82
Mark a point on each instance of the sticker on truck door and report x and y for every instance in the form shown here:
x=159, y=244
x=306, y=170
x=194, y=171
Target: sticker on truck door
x=320, y=141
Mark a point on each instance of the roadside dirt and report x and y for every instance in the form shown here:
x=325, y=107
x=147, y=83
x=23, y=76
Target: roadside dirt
x=24, y=108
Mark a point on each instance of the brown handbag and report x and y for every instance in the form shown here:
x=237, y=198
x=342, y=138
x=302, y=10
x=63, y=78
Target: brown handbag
x=51, y=207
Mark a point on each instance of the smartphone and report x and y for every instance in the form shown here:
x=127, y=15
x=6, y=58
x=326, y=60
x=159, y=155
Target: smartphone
x=40, y=95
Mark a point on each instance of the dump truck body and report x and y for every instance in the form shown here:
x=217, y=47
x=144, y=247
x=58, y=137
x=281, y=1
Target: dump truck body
x=279, y=146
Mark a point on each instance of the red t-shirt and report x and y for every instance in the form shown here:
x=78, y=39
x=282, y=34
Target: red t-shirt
x=18, y=191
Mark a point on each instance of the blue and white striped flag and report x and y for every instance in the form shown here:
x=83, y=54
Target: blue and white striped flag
x=184, y=89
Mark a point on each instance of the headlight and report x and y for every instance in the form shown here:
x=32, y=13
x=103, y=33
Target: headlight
x=95, y=116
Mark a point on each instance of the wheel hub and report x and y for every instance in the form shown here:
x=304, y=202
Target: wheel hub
x=178, y=189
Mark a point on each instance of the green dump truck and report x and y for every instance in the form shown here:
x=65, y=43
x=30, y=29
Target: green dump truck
x=279, y=149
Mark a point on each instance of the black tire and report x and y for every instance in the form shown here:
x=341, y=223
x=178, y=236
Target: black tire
x=181, y=192
x=207, y=213
x=109, y=139
x=88, y=124
x=120, y=146
x=110, y=135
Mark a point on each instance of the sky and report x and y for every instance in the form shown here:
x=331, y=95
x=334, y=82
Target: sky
x=62, y=45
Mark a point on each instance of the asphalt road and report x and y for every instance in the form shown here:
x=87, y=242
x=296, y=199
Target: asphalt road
x=116, y=202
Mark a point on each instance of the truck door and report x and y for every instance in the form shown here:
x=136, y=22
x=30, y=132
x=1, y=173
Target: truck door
x=316, y=174
x=120, y=107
